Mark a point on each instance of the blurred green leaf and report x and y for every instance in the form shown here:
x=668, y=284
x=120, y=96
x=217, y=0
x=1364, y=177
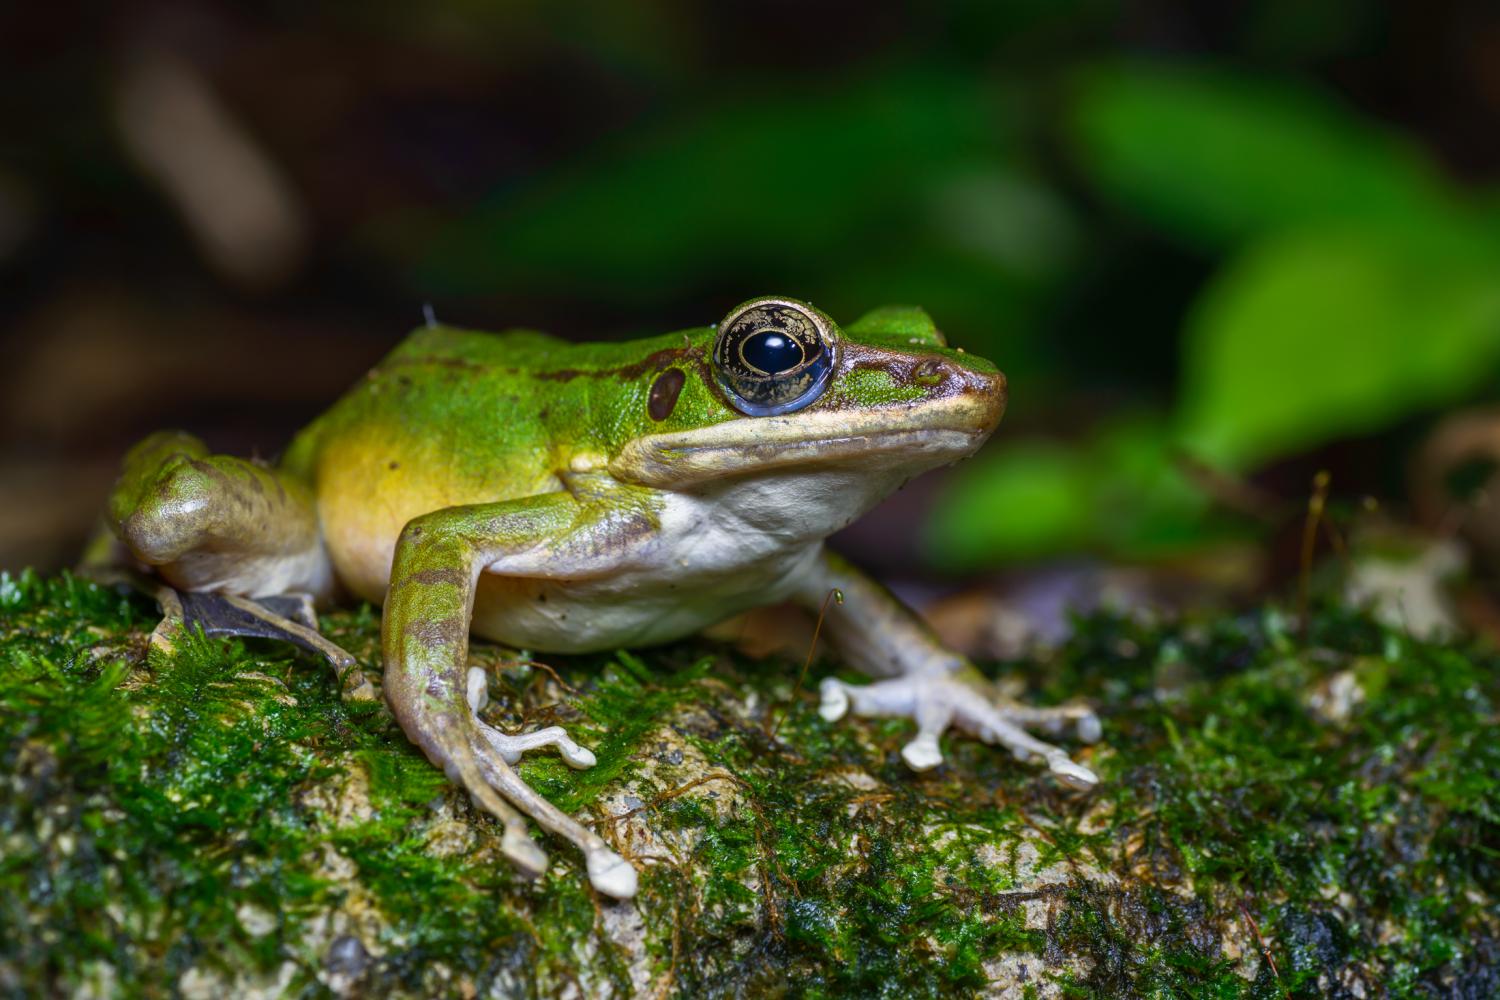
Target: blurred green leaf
x=778, y=186
x=1215, y=157
x=1006, y=217
x=1028, y=499
x=1313, y=336
x=1120, y=493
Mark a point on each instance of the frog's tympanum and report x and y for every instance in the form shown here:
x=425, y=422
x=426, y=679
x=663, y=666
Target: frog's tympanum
x=562, y=498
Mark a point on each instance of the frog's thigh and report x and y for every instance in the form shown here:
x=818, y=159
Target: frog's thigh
x=424, y=638
x=925, y=681
x=214, y=522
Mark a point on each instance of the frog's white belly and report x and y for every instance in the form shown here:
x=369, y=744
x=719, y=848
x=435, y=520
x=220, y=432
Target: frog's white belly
x=626, y=610
x=715, y=553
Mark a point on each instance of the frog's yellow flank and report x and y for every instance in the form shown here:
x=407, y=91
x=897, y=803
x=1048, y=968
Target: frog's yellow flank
x=569, y=497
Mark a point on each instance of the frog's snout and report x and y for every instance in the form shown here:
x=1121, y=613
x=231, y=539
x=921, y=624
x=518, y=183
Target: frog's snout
x=991, y=388
x=983, y=393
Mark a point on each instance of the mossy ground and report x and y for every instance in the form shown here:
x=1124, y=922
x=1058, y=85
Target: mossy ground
x=1281, y=817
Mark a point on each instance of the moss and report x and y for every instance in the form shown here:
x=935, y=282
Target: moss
x=1279, y=818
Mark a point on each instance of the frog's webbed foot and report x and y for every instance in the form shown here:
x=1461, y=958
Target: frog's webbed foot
x=473, y=754
x=494, y=752
x=286, y=618
x=939, y=701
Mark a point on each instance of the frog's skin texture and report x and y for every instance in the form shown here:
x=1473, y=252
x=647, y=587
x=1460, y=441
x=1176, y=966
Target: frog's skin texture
x=566, y=497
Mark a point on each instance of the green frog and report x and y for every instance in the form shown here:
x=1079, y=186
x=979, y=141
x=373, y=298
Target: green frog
x=564, y=498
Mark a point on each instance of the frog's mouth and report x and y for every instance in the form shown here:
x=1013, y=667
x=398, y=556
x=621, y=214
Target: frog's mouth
x=918, y=437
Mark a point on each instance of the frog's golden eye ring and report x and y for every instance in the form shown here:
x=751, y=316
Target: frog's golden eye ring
x=774, y=356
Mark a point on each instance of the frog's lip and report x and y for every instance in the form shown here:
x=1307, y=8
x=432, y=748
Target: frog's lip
x=927, y=435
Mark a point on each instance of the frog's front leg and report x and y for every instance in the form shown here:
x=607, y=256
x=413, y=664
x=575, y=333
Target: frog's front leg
x=425, y=638
x=927, y=682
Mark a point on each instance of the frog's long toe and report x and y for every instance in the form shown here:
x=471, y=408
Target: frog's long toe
x=495, y=752
x=468, y=769
x=938, y=702
x=512, y=747
x=284, y=618
x=609, y=873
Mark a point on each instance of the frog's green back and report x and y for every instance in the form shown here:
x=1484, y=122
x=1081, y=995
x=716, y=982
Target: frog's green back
x=459, y=417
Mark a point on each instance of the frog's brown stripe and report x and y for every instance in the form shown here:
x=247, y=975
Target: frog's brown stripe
x=657, y=361
x=445, y=633
x=431, y=577
x=654, y=362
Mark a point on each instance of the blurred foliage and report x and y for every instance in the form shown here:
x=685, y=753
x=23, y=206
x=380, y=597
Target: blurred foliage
x=1215, y=158
x=1311, y=335
x=1354, y=288
x=1357, y=288
x=1241, y=233
x=1118, y=490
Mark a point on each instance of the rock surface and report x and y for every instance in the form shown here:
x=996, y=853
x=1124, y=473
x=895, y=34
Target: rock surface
x=1280, y=818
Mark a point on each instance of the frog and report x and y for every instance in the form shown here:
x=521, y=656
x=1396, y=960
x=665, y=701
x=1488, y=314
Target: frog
x=565, y=497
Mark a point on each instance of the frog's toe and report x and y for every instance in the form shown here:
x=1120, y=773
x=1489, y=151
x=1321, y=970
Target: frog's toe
x=512, y=747
x=611, y=874
x=1003, y=726
x=477, y=689
x=1072, y=774
x=1058, y=720
x=167, y=631
x=523, y=852
x=922, y=753
x=835, y=699
x=1090, y=729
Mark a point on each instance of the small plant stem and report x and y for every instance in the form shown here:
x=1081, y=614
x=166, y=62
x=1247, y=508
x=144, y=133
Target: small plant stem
x=1316, y=504
x=773, y=718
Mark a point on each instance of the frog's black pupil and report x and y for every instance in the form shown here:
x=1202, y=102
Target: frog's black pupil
x=772, y=352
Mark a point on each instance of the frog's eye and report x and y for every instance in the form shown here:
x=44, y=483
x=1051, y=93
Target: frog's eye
x=773, y=356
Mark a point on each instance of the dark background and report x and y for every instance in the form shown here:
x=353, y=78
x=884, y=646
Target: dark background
x=215, y=218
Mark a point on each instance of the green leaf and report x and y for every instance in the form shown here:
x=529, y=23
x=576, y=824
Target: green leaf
x=1119, y=493
x=1213, y=157
x=1313, y=336
x=1029, y=499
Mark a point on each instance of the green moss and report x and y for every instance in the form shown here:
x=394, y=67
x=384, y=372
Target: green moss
x=1331, y=806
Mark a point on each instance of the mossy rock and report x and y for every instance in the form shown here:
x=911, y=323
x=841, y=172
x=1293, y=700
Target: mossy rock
x=1279, y=818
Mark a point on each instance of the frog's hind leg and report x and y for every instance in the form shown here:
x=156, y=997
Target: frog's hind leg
x=286, y=618
x=206, y=522
x=236, y=543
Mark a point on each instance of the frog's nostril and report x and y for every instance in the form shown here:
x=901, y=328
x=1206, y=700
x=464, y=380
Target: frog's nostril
x=928, y=371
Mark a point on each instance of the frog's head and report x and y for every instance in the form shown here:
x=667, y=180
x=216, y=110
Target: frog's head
x=778, y=388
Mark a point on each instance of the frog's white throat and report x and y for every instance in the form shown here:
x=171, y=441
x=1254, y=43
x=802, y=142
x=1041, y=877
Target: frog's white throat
x=786, y=508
